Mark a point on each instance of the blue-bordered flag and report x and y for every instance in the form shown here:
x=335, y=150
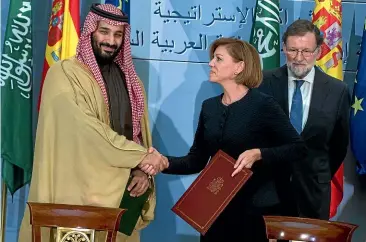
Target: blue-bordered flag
x=358, y=111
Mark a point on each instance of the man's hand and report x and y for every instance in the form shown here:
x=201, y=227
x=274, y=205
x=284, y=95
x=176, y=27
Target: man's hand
x=151, y=168
x=164, y=163
x=152, y=161
x=139, y=183
x=247, y=159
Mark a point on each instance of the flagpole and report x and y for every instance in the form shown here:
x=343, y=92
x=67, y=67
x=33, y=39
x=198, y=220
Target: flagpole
x=3, y=211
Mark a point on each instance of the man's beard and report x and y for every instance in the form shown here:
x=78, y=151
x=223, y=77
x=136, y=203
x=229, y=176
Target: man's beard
x=299, y=72
x=101, y=56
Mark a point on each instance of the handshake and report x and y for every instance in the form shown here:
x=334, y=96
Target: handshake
x=153, y=162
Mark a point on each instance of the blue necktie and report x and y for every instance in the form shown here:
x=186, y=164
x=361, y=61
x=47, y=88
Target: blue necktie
x=296, y=107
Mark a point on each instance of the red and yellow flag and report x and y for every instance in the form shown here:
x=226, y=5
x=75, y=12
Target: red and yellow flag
x=63, y=34
x=327, y=16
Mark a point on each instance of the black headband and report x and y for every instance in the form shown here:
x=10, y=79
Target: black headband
x=94, y=8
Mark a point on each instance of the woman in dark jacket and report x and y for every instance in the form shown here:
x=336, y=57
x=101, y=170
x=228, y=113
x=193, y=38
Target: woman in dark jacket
x=252, y=128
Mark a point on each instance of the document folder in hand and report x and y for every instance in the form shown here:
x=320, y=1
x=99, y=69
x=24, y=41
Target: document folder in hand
x=211, y=192
x=133, y=206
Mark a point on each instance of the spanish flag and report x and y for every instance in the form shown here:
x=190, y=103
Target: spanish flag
x=63, y=34
x=327, y=16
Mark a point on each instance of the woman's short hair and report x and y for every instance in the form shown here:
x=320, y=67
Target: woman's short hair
x=241, y=50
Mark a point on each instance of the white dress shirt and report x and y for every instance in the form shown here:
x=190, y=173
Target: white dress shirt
x=306, y=91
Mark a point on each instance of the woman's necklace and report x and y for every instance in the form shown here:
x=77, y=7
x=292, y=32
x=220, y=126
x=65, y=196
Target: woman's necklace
x=227, y=104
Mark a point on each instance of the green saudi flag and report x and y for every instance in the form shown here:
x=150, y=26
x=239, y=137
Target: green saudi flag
x=16, y=97
x=265, y=36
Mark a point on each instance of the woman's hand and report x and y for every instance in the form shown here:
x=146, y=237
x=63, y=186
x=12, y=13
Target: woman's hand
x=247, y=159
x=152, y=170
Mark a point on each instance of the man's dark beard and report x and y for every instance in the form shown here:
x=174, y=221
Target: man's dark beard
x=101, y=57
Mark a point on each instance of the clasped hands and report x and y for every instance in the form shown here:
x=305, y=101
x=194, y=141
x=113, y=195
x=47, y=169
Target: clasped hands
x=153, y=162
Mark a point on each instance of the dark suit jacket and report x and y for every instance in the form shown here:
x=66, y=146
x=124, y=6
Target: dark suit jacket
x=254, y=121
x=326, y=135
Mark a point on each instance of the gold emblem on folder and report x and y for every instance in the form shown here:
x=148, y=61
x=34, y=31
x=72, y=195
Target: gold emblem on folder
x=216, y=185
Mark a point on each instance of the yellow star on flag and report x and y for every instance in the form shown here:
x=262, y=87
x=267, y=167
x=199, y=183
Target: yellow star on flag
x=357, y=105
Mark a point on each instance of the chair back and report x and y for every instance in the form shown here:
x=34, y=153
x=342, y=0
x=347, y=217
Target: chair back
x=74, y=222
x=306, y=229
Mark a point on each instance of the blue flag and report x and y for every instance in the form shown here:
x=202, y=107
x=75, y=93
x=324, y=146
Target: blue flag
x=124, y=5
x=358, y=111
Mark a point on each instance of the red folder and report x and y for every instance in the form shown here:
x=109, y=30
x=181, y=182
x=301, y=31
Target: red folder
x=211, y=192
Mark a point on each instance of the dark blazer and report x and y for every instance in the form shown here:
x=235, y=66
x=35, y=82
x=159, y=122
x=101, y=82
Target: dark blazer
x=255, y=121
x=326, y=135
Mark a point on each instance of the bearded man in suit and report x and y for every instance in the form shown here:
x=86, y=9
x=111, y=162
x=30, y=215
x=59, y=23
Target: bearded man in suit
x=318, y=106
